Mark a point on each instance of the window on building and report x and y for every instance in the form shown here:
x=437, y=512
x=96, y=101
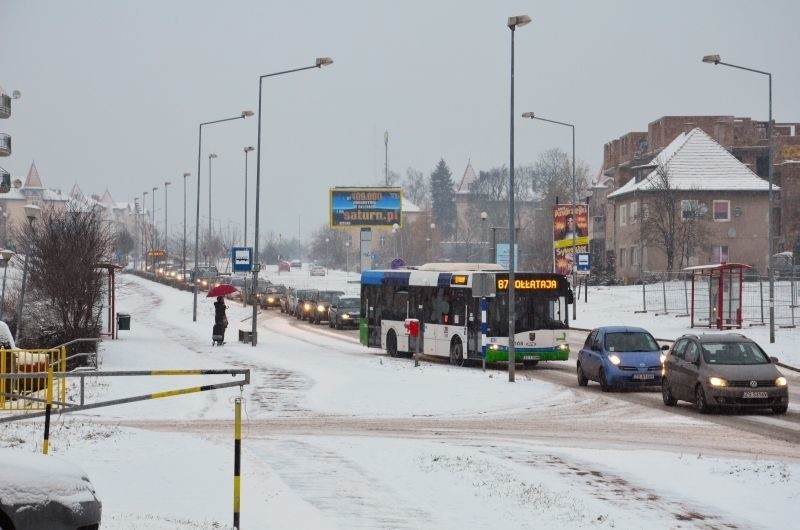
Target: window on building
x=622, y=259
x=623, y=215
x=691, y=210
x=634, y=215
x=719, y=254
x=634, y=256
x=722, y=210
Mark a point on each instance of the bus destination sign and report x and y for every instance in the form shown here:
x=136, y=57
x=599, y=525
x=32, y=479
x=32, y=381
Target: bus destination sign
x=528, y=284
x=459, y=279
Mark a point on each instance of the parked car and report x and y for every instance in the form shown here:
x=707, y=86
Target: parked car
x=304, y=307
x=272, y=296
x=620, y=356
x=45, y=492
x=317, y=270
x=723, y=370
x=320, y=302
x=344, y=312
x=296, y=264
x=289, y=301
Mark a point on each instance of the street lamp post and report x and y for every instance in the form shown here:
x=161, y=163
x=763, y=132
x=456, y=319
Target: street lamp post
x=532, y=116
x=5, y=256
x=395, y=228
x=155, y=231
x=715, y=59
x=144, y=230
x=32, y=212
x=386, y=151
x=208, y=257
x=246, y=152
x=513, y=23
x=318, y=63
x=183, y=260
x=484, y=217
x=166, y=231
x=244, y=114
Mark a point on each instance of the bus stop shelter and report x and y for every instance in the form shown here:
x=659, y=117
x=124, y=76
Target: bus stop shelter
x=717, y=295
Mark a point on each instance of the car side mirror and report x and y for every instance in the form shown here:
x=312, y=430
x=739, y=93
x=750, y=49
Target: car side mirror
x=774, y=360
x=665, y=347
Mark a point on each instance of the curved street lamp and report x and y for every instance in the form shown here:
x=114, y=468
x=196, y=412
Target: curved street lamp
x=247, y=151
x=513, y=23
x=715, y=59
x=243, y=115
x=208, y=256
x=318, y=63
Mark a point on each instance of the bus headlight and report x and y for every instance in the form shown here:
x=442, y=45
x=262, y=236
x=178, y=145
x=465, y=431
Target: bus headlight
x=614, y=358
x=494, y=347
x=563, y=347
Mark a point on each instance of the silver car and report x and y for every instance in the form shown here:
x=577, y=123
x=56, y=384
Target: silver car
x=723, y=370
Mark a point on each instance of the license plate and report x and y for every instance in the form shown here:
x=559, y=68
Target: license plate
x=754, y=394
x=643, y=377
x=530, y=357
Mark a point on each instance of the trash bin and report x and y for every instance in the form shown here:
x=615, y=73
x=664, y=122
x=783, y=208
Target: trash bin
x=123, y=322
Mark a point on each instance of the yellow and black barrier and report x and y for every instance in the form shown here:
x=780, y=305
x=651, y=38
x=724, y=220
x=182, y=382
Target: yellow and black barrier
x=23, y=374
x=237, y=459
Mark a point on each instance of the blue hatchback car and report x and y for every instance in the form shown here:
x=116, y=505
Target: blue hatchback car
x=620, y=356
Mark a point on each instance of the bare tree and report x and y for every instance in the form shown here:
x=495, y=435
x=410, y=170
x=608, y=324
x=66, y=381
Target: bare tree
x=416, y=188
x=66, y=287
x=669, y=221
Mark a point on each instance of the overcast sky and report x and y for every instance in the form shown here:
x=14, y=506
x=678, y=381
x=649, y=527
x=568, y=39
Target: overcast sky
x=113, y=92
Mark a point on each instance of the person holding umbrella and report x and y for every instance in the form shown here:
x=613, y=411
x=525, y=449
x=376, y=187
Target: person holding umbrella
x=220, y=322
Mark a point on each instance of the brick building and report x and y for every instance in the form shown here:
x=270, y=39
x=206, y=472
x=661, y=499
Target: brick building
x=744, y=138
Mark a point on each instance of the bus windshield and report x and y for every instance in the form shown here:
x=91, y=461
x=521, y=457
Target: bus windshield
x=533, y=311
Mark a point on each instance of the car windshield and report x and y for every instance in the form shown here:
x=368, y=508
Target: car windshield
x=630, y=341
x=733, y=353
x=349, y=303
x=329, y=296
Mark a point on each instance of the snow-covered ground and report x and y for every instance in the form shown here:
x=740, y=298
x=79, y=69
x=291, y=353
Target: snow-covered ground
x=338, y=436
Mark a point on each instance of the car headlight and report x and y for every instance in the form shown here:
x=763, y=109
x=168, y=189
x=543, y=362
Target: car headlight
x=614, y=358
x=345, y=317
x=270, y=300
x=494, y=347
x=307, y=307
x=662, y=358
x=781, y=381
x=717, y=381
x=320, y=308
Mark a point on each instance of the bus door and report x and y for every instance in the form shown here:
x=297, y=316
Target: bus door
x=474, y=326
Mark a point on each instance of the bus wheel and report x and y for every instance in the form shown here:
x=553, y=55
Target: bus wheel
x=391, y=343
x=456, y=353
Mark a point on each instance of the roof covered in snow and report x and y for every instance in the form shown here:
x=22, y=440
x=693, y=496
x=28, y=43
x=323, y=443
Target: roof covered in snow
x=696, y=162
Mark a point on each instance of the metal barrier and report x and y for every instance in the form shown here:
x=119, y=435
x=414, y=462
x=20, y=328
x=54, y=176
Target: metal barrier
x=23, y=375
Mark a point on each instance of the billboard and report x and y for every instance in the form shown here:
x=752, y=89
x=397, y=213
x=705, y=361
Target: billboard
x=365, y=207
x=569, y=228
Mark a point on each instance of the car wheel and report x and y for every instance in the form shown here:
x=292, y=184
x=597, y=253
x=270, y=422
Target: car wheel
x=780, y=409
x=700, y=400
x=666, y=393
x=604, y=386
x=582, y=381
x=456, y=353
x=391, y=343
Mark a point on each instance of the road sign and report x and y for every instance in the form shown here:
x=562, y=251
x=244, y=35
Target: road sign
x=584, y=263
x=242, y=258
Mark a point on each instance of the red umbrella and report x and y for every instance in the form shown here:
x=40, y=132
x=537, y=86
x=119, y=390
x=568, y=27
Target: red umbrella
x=221, y=290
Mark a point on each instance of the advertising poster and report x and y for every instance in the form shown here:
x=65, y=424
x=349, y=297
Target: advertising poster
x=365, y=207
x=565, y=225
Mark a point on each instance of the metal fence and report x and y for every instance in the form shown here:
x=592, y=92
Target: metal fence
x=671, y=293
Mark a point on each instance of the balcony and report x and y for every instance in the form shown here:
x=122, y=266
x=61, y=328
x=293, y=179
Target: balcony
x=5, y=181
x=5, y=145
x=5, y=106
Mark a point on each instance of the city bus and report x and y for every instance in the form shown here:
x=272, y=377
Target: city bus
x=441, y=297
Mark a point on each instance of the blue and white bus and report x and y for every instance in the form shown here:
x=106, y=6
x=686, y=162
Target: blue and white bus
x=440, y=295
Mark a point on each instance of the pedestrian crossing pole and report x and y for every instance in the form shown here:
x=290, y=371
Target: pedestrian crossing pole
x=237, y=452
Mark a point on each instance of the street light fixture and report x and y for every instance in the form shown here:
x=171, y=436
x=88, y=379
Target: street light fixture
x=243, y=115
x=395, y=228
x=532, y=116
x=513, y=23
x=5, y=257
x=318, y=63
x=484, y=217
x=166, y=231
x=183, y=260
x=32, y=212
x=715, y=59
x=246, y=151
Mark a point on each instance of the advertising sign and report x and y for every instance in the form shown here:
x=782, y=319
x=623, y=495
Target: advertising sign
x=365, y=207
x=569, y=229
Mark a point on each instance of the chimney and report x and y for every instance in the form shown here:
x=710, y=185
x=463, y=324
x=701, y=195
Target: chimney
x=723, y=133
x=687, y=127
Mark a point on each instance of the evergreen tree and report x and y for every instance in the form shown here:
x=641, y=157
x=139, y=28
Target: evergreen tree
x=443, y=199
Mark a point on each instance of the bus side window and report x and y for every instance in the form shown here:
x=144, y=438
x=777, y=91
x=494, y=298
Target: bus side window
x=458, y=307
